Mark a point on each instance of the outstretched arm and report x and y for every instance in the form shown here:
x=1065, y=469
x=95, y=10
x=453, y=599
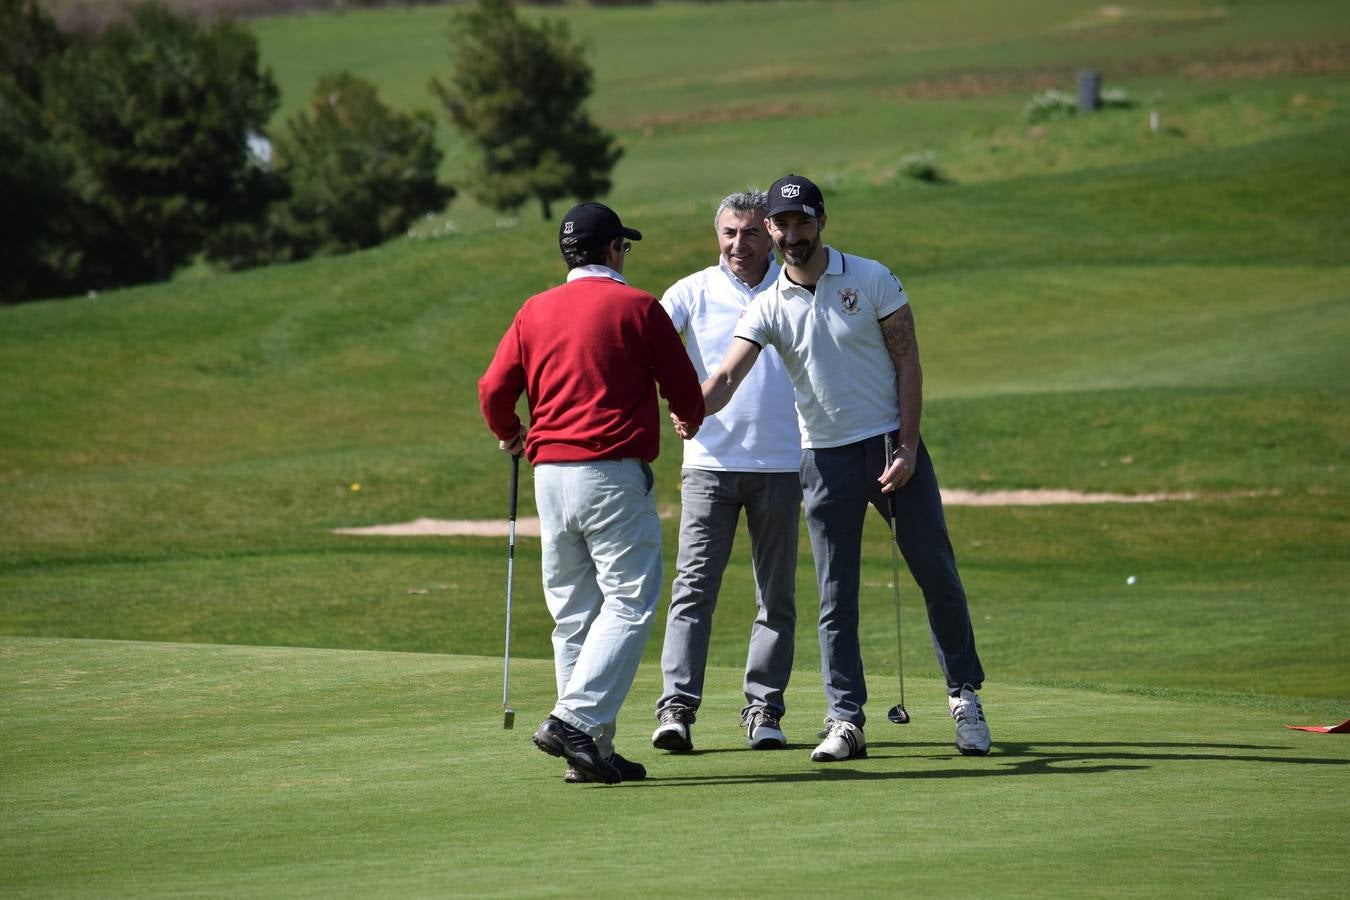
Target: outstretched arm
x=898, y=331
x=719, y=387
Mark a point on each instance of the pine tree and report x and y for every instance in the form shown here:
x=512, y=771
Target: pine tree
x=516, y=91
x=156, y=118
x=37, y=255
x=359, y=174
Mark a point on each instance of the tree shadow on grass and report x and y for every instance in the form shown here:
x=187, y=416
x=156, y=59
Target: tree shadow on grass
x=1008, y=758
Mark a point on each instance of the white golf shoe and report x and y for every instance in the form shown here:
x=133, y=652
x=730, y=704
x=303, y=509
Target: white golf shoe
x=762, y=730
x=843, y=740
x=972, y=732
x=675, y=734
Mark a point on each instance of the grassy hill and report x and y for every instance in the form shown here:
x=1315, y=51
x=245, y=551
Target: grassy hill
x=1101, y=307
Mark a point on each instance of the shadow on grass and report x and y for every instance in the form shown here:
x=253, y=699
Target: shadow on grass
x=1007, y=758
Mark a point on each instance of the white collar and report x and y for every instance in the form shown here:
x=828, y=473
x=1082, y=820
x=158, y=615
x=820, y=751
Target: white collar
x=595, y=272
x=770, y=275
x=834, y=265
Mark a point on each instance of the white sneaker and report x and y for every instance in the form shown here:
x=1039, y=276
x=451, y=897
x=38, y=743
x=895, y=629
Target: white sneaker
x=676, y=731
x=843, y=740
x=972, y=733
x=762, y=731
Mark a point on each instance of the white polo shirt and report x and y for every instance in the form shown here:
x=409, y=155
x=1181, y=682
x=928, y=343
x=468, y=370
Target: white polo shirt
x=832, y=346
x=757, y=430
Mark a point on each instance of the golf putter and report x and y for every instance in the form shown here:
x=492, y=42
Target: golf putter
x=898, y=715
x=509, y=714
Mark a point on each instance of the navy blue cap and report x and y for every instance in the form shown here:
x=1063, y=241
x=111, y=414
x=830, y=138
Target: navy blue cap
x=594, y=225
x=793, y=193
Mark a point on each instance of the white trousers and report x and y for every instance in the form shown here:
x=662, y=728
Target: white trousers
x=601, y=542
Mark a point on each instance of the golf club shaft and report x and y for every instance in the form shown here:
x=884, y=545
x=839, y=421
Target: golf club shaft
x=510, y=575
x=895, y=581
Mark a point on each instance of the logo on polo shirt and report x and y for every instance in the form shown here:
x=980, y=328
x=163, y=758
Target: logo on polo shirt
x=567, y=227
x=848, y=298
x=791, y=190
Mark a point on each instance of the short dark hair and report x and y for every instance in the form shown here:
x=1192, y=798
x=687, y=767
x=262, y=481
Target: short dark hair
x=575, y=254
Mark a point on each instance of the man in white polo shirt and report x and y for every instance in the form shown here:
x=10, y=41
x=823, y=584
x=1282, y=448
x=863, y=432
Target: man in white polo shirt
x=843, y=326
x=747, y=457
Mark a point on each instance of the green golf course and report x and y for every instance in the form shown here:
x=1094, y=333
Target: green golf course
x=205, y=690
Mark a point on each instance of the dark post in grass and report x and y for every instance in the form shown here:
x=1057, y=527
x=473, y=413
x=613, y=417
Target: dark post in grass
x=1089, y=90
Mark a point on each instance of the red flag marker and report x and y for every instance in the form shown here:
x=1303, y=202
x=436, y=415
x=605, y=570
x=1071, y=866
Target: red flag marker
x=1343, y=728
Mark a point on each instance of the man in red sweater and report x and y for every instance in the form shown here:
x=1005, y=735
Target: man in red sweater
x=590, y=355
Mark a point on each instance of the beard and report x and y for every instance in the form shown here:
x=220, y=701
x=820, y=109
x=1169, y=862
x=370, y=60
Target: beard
x=801, y=252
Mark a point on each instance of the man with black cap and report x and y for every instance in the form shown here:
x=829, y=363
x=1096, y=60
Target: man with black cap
x=844, y=329
x=590, y=355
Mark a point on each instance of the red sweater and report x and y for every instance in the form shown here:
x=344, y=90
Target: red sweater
x=589, y=356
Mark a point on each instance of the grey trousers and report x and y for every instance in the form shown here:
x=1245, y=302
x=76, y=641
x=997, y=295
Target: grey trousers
x=601, y=562
x=711, y=503
x=838, y=485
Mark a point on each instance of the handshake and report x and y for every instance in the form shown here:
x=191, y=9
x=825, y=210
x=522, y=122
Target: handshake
x=682, y=428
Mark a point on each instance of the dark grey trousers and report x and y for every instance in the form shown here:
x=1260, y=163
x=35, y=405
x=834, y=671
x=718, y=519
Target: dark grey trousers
x=711, y=503
x=838, y=485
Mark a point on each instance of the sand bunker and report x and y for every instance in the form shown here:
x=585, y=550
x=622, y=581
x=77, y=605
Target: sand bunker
x=950, y=497
x=1049, y=497
x=448, y=528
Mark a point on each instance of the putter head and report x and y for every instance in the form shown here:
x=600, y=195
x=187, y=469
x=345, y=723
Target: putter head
x=897, y=715
x=508, y=718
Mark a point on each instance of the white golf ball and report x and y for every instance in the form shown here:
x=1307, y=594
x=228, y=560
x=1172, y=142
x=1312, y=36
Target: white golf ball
x=1130, y=580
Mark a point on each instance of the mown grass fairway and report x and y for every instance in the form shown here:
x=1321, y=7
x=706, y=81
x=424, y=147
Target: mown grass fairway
x=207, y=691
x=163, y=769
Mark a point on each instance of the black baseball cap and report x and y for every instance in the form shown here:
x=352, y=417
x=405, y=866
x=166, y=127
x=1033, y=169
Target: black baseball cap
x=594, y=225
x=793, y=193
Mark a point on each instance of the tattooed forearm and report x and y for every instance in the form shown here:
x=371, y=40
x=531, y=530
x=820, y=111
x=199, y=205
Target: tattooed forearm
x=903, y=347
x=898, y=331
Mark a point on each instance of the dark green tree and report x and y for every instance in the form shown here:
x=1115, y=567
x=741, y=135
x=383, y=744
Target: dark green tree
x=29, y=40
x=359, y=173
x=38, y=256
x=516, y=91
x=155, y=119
